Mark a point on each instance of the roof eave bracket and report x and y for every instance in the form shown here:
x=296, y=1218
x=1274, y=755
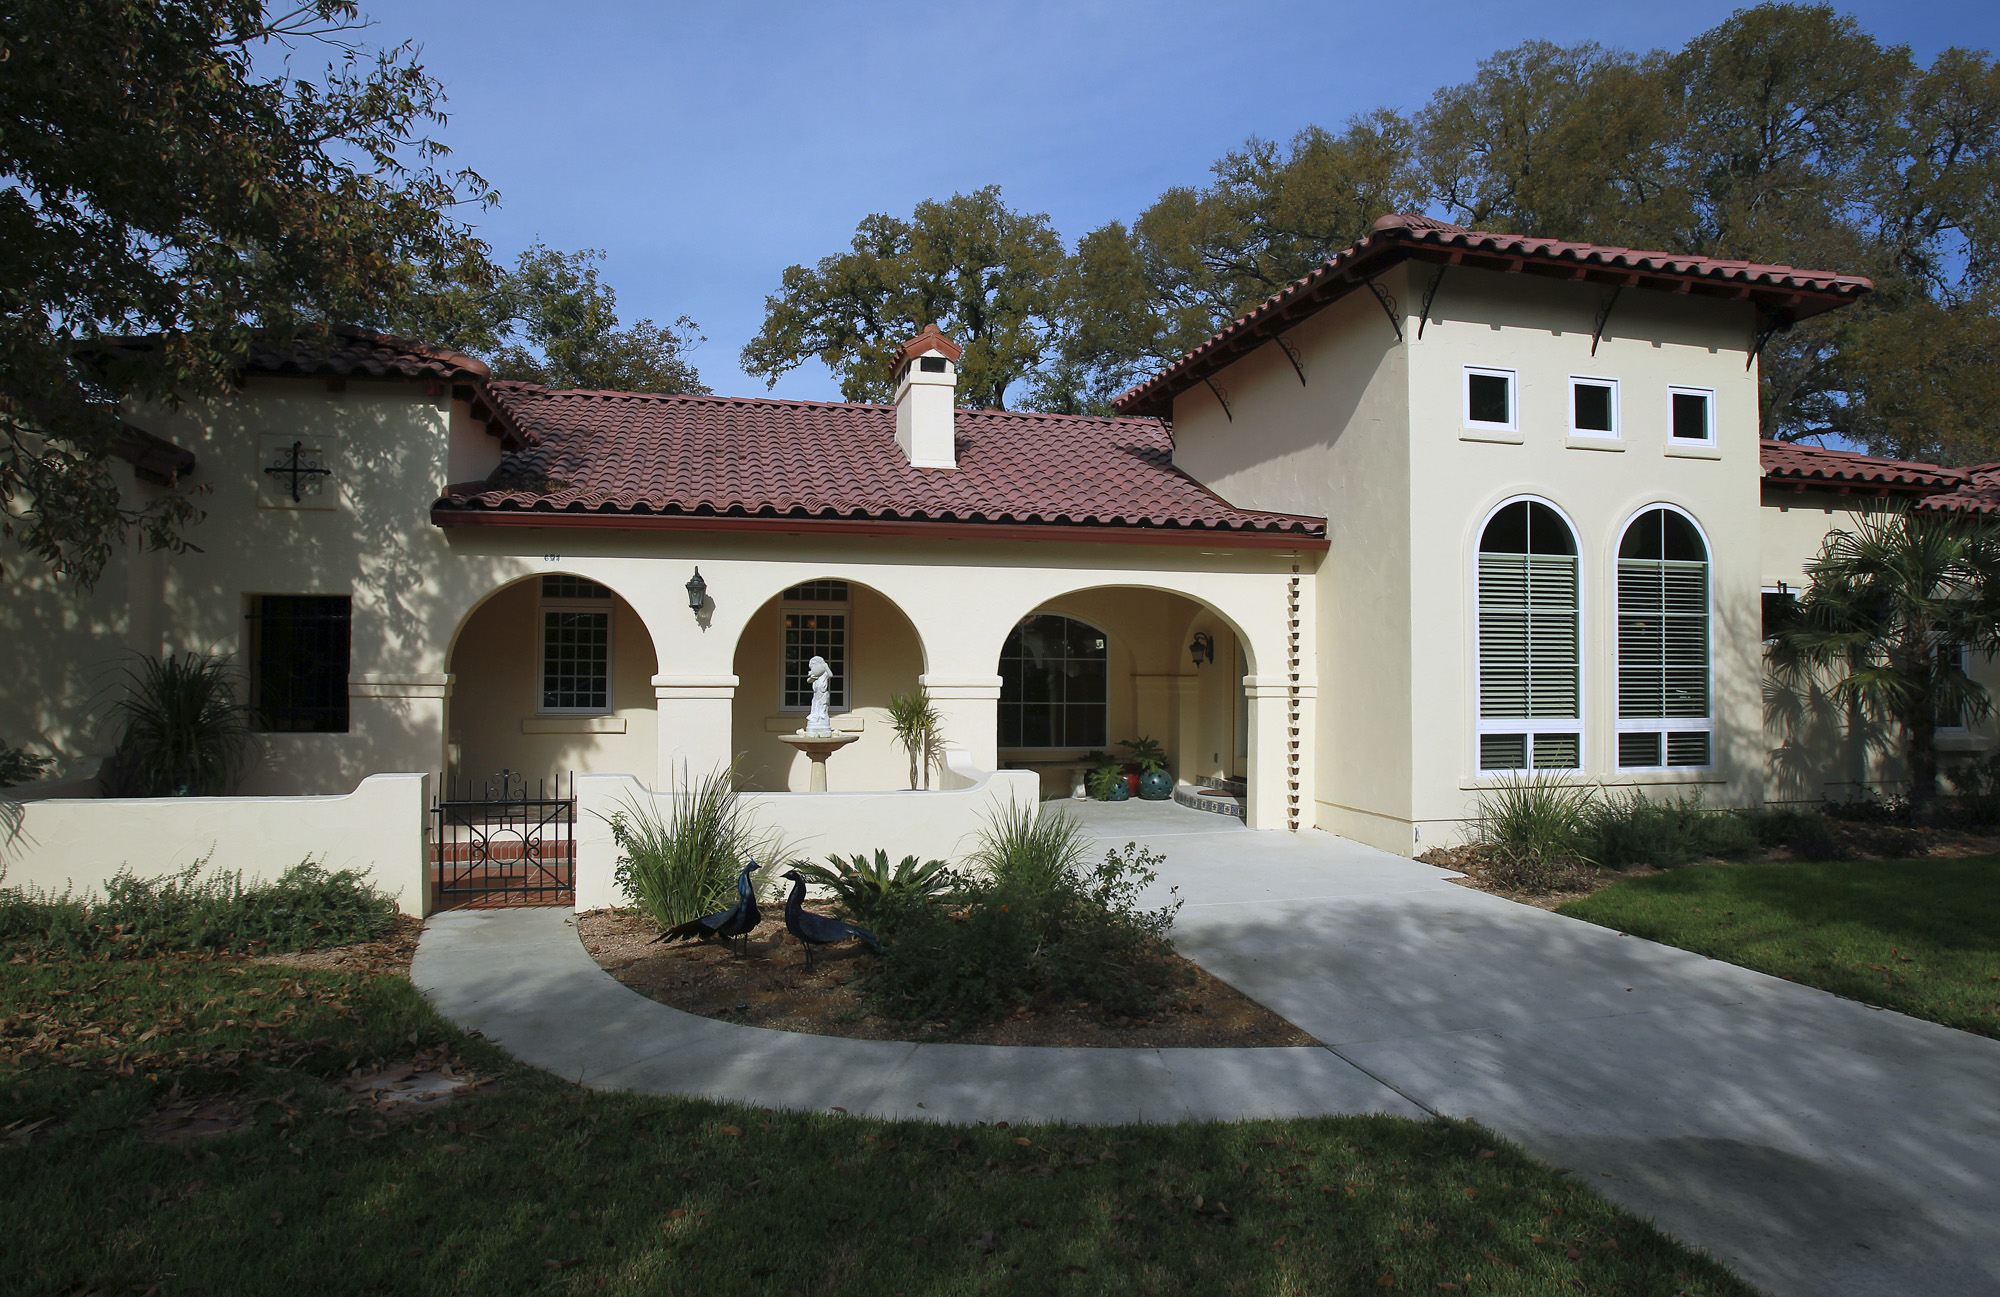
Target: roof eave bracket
x=1388, y=306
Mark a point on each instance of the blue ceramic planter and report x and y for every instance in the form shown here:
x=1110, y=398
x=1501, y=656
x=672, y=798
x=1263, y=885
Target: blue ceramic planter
x=1156, y=785
x=1119, y=791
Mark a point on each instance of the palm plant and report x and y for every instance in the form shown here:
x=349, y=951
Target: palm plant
x=916, y=722
x=185, y=731
x=1894, y=604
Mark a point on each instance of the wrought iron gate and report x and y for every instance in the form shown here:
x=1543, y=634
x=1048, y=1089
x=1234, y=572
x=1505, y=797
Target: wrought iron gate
x=493, y=844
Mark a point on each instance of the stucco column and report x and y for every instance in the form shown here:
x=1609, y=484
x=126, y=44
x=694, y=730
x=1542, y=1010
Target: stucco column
x=401, y=718
x=1186, y=750
x=695, y=716
x=1273, y=774
x=970, y=706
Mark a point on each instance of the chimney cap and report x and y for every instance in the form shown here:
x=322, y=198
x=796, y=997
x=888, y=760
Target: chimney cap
x=931, y=339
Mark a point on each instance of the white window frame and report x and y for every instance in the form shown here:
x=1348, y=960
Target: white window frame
x=545, y=605
x=1513, y=378
x=845, y=607
x=1662, y=726
x=1617, y=425
x=1707, y=394
x=1106, y=704
x=1481, y=726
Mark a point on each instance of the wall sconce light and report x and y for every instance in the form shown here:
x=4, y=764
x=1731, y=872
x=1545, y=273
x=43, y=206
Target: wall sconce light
x=697, y=591
x=1203, y=648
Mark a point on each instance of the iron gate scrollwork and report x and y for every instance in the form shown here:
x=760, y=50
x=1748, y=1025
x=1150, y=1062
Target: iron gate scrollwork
x=493, y=844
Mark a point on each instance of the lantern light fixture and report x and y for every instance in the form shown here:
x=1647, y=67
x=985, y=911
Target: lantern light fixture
x=1203, y=648
x=697, y=591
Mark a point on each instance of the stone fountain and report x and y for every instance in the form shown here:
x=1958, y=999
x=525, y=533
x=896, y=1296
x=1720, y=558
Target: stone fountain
x=817, y=738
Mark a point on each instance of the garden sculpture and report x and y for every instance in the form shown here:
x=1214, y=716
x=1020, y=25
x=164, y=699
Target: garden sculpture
x=817, y=929
x=821, y=677
x=736, y=921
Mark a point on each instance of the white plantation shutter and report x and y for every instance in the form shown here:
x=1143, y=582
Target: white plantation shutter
x=1529, y=642
x=1664, y=708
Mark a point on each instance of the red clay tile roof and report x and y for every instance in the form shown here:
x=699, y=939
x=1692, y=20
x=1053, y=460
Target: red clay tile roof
x=1979, y=493
x=931, y=339
x=1788, y=294
x=599, y=456
x=1803, y=465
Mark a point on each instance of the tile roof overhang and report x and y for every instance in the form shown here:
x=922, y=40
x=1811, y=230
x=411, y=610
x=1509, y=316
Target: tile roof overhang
x=347, y=351
x=1783, y=294
x=1797, y=467
x=701, y=463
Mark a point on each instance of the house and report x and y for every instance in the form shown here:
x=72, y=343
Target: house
x=1454, y=506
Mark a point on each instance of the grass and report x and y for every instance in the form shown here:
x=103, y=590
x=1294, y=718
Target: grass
x=1918, y=936
x=541, y=1187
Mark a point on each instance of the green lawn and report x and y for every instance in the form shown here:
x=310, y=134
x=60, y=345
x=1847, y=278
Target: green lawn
x=541, y=1187
x=1918, y=936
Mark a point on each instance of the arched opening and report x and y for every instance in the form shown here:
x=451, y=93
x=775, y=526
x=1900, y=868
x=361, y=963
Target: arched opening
x=1665, y=713
x=1086, y=671
x=552, y=675
x=875, y=653
x=1530, y=641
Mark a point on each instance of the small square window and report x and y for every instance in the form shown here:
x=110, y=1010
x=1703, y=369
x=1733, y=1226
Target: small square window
x=1694, y=415
x=1489, y=397
x=1593, y=407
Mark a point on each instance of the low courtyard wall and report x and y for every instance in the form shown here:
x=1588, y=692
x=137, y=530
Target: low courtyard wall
x=939, y=824
x=80, y=843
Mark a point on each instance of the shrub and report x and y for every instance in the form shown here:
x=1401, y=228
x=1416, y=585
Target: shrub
x=1619, y=833
x=865, y=886
x=1038, y=925
x=1808, y=833
x=682, y=863
x=184, y=731
x=20, y=766
x=1146, y=753
x=306, y=906
x=1532, y=829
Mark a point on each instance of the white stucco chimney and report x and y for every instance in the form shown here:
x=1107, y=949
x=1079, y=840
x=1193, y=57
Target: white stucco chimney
x=926, y=395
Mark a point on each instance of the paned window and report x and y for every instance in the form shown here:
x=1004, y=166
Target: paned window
x=1052, y=684
x=816, y=627
x=1951, y=717
x=1530, y=694
x=1593, y=407
x=1489, y=398
x=1664, y=716
x=576, y=645
x=1693, y=414
x=299, y=661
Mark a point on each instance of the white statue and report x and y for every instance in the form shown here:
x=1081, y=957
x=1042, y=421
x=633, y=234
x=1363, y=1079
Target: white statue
x=821, y=676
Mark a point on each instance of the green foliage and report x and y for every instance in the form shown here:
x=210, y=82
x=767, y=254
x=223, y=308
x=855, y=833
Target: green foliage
x=183, y=731
x=306, y=906
x=1620, y=832
x=1533, y=829
x=865, y=887
x=1039, y=925
x=1102, y=779
x=679, y=854
x=554, y=322
x=983, y=273
x=1146, y=753
x=179, y=169
x=1808, y=833
x=1890, y=607
x=919, y=730
x=20, y=766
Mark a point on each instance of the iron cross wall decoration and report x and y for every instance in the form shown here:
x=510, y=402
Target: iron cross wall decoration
x=301, y=468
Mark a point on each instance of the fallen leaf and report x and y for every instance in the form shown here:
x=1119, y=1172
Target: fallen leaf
x=1574, y=1255
x=677, y=1213
x=732, y=1130
x=1024, y=1141
x=1386, y=1281
x=988, y=1241
x=1025, y=1223
x=277, y=1218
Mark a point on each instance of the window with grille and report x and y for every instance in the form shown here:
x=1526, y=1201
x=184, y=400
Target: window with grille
x=1530, y=694
x=1664, y=715
x=1053, y=673
x=299, y=661
x=818, y=628
x=576, y=646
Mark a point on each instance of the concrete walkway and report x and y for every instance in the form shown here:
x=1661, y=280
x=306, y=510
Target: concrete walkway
x=1819, y=1146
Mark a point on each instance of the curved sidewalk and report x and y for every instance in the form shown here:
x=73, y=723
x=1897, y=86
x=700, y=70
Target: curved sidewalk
x=522, y=979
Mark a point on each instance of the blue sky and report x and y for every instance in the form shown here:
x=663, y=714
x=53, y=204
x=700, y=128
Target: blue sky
x=705, y=148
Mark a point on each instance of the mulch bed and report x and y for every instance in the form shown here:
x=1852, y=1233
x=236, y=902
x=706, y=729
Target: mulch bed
x=776, y=987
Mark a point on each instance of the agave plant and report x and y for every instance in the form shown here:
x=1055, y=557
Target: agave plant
x=863, y=884
x=185, y=731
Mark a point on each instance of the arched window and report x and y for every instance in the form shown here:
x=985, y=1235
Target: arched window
x=1052, y=677
x=1664, y=716
x=1530, y=696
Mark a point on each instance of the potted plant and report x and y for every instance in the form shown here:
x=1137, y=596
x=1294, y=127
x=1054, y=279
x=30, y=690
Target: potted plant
x=1147, y=767
x=1107, y=782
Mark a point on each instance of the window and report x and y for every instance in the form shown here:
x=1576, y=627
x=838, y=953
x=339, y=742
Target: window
x=1052, y=684
x=299, y=660
x=576, y=646
x=1530, y=694
x=1780, y=606
x=1951, y=718
x=1693, y=414
x=1593, y=407
x=815, y=617
x=1489, y=398
x=1664, y=719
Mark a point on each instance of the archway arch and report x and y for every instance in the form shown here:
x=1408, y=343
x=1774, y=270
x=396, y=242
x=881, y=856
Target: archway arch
x=876, y=653
x=552, y=675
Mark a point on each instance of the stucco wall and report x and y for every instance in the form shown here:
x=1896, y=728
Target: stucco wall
x=79, y=845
